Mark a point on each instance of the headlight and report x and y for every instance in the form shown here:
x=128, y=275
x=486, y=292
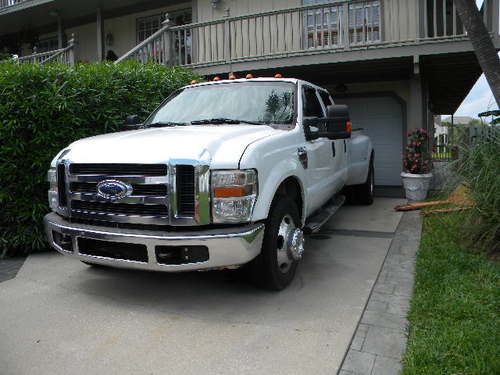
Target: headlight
x=233, y=195
x=53, y=198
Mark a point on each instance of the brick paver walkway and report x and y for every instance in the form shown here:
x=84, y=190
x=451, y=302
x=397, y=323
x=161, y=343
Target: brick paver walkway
x=379, y=342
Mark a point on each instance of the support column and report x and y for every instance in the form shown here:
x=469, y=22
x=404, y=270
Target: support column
x=59, y=32
x=416, y=104
x=100, y=36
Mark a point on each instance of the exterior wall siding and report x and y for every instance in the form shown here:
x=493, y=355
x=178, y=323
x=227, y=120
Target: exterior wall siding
x=206, y=12
x=400, y=20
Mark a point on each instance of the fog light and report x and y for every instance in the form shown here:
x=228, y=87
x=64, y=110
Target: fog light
x=63, y=241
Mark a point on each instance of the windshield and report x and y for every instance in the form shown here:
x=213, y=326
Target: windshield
x=233, y=103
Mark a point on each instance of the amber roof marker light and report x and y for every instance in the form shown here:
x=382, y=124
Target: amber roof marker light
x=194, y=82
x=278, y=75
x=216, y=78
x=249, y=76
x=232, y=76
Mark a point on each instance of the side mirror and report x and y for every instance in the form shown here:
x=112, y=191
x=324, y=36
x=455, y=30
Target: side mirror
x=339, y=124
x=133, y=122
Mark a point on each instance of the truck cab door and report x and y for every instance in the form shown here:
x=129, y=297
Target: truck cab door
x=340, y=152
x=319, y=152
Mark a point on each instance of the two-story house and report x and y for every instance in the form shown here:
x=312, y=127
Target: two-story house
x=397, y=63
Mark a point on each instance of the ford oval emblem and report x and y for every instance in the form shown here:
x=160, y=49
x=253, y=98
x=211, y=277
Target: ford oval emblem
x=113, y=189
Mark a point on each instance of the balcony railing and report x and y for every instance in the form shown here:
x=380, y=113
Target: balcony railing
x=334, y=27
x=64, y=55
x=9, y=3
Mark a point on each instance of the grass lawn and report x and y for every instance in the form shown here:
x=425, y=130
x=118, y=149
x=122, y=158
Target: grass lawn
x=454, y=317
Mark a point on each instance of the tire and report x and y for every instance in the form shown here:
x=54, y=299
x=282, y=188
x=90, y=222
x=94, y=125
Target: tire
x=363, y=193
x=265, y=270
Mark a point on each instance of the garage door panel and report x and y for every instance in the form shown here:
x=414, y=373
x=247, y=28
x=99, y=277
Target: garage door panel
x=382, y=120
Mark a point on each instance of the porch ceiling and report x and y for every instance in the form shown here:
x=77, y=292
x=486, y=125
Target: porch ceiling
x=38, y=14
x=357, y=71
x=450, y=78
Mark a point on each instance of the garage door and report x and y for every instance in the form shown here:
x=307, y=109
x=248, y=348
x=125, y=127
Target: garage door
x=382, y=119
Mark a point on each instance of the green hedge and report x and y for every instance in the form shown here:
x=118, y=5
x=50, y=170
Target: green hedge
x=45, y=108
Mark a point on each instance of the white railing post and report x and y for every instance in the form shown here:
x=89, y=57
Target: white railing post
x=71, y=50
x=167, y=40
x=345, y=28
x=227, y=41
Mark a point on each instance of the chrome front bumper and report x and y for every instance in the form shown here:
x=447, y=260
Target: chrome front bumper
x=227, y=247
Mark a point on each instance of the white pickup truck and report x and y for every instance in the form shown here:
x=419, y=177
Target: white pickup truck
x=222, y=174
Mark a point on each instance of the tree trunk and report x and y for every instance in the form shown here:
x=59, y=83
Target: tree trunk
x=482, y=43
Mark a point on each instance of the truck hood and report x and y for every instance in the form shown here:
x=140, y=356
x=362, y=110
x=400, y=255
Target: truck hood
x=221, y=146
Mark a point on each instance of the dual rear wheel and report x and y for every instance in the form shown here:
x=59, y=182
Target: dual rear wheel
x=283, y=243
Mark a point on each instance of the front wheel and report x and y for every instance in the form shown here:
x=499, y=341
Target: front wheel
x=282, y=247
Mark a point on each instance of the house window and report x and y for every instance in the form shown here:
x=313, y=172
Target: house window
x=326, y=27
x=147, y=26
x=364, y=22
x=47, y=44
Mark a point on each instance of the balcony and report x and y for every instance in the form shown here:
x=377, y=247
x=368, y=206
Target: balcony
x=340, y=28
x=9, y=3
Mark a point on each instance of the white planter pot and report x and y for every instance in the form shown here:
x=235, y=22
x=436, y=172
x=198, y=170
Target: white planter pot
x=416, y=185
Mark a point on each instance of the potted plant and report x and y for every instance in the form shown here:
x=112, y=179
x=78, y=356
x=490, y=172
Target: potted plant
x=417, y=166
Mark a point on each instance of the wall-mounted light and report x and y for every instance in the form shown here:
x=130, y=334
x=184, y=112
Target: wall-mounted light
x=215, y=3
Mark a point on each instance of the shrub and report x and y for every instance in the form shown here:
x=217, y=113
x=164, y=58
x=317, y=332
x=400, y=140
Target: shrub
x=45, y=108
x=479, y=167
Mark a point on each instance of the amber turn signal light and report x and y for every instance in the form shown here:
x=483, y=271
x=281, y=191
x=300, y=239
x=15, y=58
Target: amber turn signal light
x=230, y=192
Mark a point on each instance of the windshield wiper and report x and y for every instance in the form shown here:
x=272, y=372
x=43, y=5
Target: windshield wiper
x=161, y=124
x=218, y=121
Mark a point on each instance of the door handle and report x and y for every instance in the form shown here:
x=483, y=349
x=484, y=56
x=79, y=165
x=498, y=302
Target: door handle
x=345, y=146
x=333, y=148
x=302, y=154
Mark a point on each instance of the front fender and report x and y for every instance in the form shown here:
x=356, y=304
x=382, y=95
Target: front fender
x=283, y=171
x=275, y=159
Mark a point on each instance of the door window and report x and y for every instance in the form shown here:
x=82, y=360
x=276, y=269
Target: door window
x=311, y=106
x=325, y=97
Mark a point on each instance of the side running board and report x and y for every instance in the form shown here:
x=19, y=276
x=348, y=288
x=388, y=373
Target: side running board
x=315, y=222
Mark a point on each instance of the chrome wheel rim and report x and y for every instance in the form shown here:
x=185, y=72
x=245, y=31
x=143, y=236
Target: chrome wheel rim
x=289, y=244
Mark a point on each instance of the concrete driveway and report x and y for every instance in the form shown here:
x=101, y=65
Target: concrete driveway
x=59, y=316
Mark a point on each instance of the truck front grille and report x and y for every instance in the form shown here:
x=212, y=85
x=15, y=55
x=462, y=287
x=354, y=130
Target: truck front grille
x=119, y=208
x=138, y=189
x=185, y=190
x=61, y=185
x=149, y=202
x=120, y=169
